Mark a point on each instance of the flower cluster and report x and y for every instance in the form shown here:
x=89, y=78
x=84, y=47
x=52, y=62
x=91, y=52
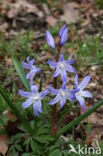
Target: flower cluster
x=61, y=67
x=34, y=97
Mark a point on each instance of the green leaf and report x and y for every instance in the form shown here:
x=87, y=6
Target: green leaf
x=44, y=138
x=56, y=152
x=36, y=147
x=19, y=147
x=14, y=109
x=79, y=119
x=20, y=71
x=65, y=153
x=28, y=154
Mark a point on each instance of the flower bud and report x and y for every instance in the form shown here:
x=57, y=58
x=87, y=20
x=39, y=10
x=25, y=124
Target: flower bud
x=50, y=39
x=63, y=35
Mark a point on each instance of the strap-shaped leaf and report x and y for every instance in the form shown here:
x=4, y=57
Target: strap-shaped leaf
x=20, y=71
x=79, y=119
x=14, y=109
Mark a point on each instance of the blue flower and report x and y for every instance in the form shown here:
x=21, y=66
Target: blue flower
x=62, y=67
x=50, y=39
x=63, y=94
x=81, y=93
x=63, y=34
x=33, y=70
x=33, y=97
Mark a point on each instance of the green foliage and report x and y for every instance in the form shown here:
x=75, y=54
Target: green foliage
x=21, y=73
x=14, y=109
x=99, y=3
x=90, y=50
x=3, y=104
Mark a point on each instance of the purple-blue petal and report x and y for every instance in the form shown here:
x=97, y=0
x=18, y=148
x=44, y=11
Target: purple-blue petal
x=63, y=36
x=70, y=68
x=34, y=89
x=28, y=58
x=31, y=62
x=44, y=93
x=37, y=107
x=31, y=74
x=81, y=101
x=26, y=65
x=52, y=64
x=76, y=81
x=24, y=94
x=86, y=94
x=64, y=85
x=27, y=103
x=55, y=100
x=61, y=30
x=71, y=61
x=70, y=95
x=37, y=70
x=62, y=102
x=84, y=83
x=50, y=39
x=57, y=72
x=61, y=58
x=64, y=76
x=53, y=90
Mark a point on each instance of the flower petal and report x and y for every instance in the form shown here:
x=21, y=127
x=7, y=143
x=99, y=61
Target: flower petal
x=53, y=90
x=71, y=61
x=55, y=100
x=63, y=36
x=61, y=58
x=31, y=74
x=44, y=93
x=57, y=72
x=61, y=30
x=27, y=103
x=64, y=85
x=31, y=62
x=84, y=83
x=37, y=107
x=50, y=39
x=70, y=95
x=52, y=64
x=24, y=94
x=69, y=68
x=34, y=89
x=81, y=101
x=76, y=81
x=28, y=58
x=64, y=76
x=26, y=65
x=62, y=102
x=86, y=94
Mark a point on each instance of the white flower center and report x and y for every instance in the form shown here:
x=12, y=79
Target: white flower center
x=61, y=65
x=63, y=93
x=36, y=97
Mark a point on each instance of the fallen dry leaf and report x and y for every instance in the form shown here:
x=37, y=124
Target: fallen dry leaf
x=71, y=13
x=3, y=145
x=51, y=21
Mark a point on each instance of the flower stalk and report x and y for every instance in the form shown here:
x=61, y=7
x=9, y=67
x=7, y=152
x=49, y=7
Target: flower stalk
x=53, y=127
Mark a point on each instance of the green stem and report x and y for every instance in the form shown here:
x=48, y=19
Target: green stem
x=15, y=111
x=79, y=119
